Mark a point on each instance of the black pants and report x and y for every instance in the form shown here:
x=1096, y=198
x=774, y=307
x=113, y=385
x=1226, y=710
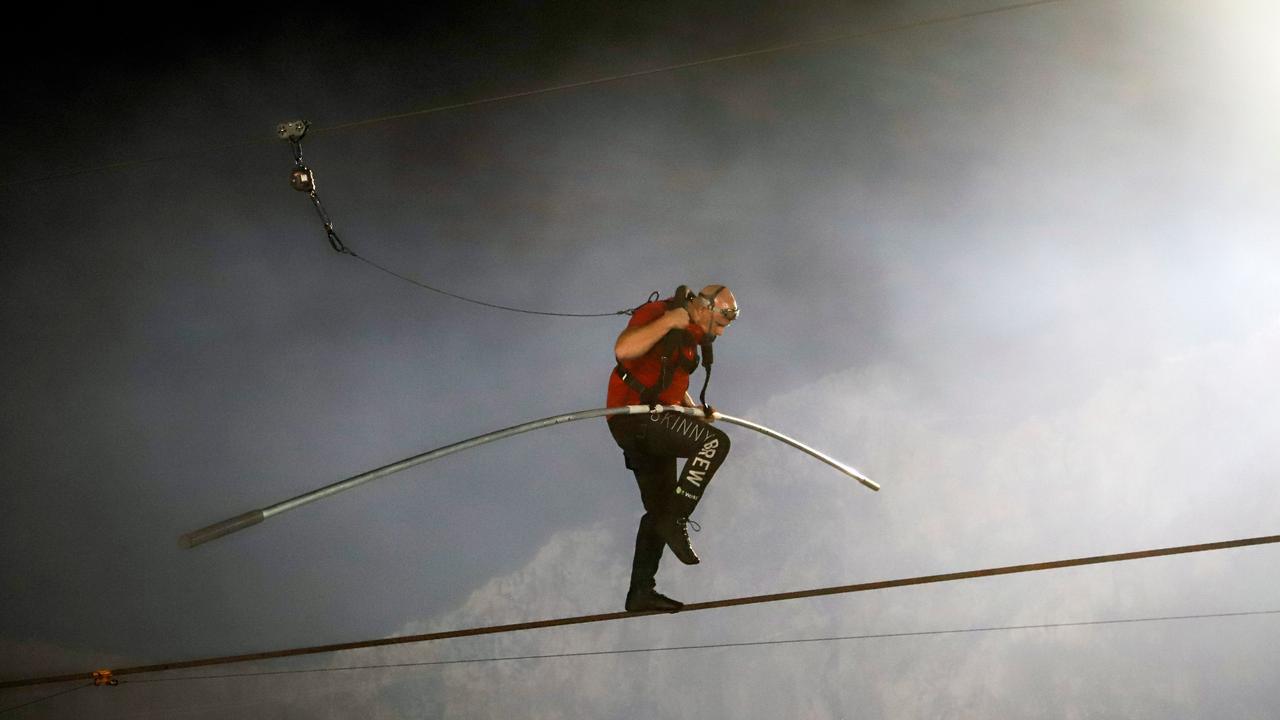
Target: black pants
x=651, y=447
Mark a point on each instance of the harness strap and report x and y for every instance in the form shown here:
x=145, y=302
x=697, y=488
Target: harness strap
x=702, y=398
x=669, y=348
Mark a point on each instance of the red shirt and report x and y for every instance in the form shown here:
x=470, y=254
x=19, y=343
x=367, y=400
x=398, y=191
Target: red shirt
x=647, y=367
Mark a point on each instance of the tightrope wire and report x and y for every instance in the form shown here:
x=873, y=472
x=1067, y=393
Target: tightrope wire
x=689, y=607
x=710, y=646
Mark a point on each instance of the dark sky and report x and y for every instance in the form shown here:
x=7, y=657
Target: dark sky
x=1019, y=268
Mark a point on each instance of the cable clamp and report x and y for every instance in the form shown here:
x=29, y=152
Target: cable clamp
x=104, y=677
x=293, y=131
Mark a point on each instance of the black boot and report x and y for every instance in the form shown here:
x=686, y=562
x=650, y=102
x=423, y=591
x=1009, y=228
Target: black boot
x=642, y=599
x=644, y=567
x=674, y=531
x=673, y=525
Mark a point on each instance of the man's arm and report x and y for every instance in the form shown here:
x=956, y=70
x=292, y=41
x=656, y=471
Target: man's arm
x=636, y=341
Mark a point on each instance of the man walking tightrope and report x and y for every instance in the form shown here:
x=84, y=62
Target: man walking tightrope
x=656, y=353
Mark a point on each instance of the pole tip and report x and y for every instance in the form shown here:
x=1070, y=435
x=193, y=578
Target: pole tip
x=217, y=530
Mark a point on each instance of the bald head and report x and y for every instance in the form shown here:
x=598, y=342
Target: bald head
x=718, y=308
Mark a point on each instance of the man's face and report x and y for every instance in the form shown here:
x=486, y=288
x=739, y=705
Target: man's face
x=718, y=322
x=716, y=318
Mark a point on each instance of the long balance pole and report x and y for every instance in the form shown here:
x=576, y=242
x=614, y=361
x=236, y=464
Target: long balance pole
x=253, y=517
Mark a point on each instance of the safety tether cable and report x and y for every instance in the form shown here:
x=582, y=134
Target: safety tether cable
x=496, y=306
x=304, y=180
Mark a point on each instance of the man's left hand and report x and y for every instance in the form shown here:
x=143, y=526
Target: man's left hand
x=709, y=413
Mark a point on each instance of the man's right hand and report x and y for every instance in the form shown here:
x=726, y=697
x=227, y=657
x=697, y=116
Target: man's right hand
x=676, y=318
x=636, y=341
